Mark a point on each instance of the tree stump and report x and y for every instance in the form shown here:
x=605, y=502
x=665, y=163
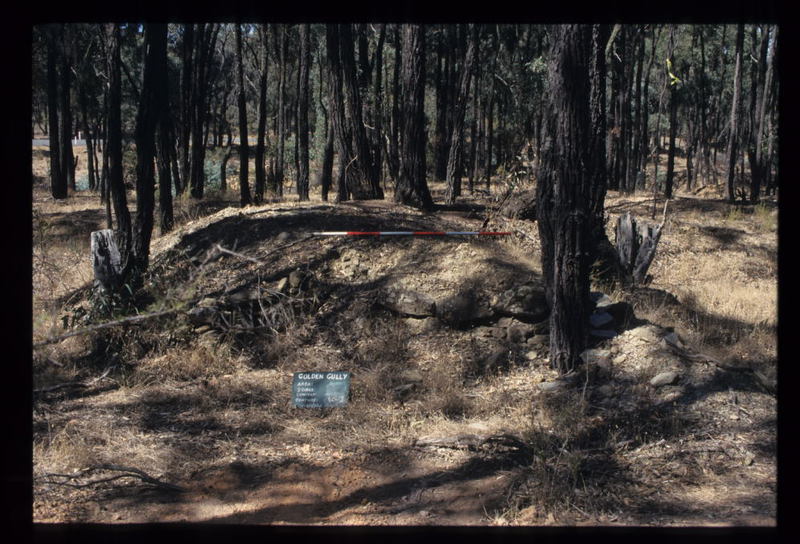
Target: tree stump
x=636, y=246
x=106, y=260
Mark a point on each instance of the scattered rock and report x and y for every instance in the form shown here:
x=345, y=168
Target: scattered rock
x=526, y=302
x=672, y=340
x=539, y=340
x=521, y=206
x=749, y=458
x=601, y=300
x=599, y=319
x=646, y=333
x=520, y=332
x=551, y=386
x=595, y=356
x=622, y=312
x=283, y=285
x=603, y=333
x=531, y=355
x=298, y=279
x=606, y=390
x=411, y=375
x=408, y=302
x=202, y=329
x=497, y=360
x=461, y=309
x=621, y=358
x=489, y=332
x=282, y=237
x=664, y=378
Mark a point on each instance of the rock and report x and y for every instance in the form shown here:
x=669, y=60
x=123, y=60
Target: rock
x=621, y=358
x=601, y=300
x=622, y=312
x=297, y=279
x=595, y=356
x=599, y=319
x=519, y=332
x=539, y=340
x=408, y=302
x=282, y=237
x=489, y=332
x=550, y=386
x=521, y=206
x=461, y=309
x=411, y=375
x=646, y=333
x=207, y=302
x=664, y=378
x=526, y=302
x=283, y=285
x=531, y=355
x=672, y=340
x=606, y=390
x=603, y=333
x=202, y=329
x=497, y=360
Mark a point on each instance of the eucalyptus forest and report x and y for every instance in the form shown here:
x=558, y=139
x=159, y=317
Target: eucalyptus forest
x=543, y=256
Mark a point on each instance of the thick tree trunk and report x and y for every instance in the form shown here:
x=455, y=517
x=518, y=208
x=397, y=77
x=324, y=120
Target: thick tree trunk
x=734, y=124
x=302, y=113
x=281, y=41
x=244, y=155
x=564, y=194
x=394, y=138
x=338, y=121
x=412, y=188
x=454, y=160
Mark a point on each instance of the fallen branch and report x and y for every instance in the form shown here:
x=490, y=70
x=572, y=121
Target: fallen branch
x=129, y=472
x=123, y=321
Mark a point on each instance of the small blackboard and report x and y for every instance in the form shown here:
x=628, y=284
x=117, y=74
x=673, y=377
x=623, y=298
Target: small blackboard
x=320, y=389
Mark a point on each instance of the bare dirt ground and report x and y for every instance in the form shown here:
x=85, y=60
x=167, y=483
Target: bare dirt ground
x=448, y=423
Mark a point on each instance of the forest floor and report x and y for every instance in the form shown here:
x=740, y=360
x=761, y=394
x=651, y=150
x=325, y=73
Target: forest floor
x=448, y=423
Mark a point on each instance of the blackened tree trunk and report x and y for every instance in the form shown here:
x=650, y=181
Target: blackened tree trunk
x=454, y=165
x=262, y=120
x=564, y=194
x=166, y=152
x=115, y=182
x=377, y=106
x=673, y=115
x=281, y=44
x=734, y=124
x=58, y=181
x=187, y=107
x=338, y=122
x=152, y=100
x=758, y=167
x=204, y=46
x=302, y=113
x=394, y=137
x=65, y=117
x=244, y=158
x=326, y=171
x=442, y=82
x=360, y=175
x=412, y=188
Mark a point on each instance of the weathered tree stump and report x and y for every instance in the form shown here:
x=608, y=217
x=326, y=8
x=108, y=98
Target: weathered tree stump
x=106, y=260
x=636, y=246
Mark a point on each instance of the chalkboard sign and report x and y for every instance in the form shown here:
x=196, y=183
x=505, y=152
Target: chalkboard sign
x=320, y=389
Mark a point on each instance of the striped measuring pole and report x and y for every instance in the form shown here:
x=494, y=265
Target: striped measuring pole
x=409, y=233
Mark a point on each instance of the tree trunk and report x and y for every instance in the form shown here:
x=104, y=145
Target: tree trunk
x=759, y=172
x=456, y=144
x=58, y=181
x=338, y=122
x=187, y=107
x=65, y=118
x=244, y=158
x=564, y=194
x=302, y=113
x=394, y=139
x=262, y=120
x=377, y=106
x=673, y=120
x=412, y=188
x=115, y=182
x=281, y=37
x=734, y=124
x=151, y=101
x=360, y=176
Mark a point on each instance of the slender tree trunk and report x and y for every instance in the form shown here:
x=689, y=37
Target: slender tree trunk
x=326, y=171
x=244, y=158
x=564, y=194
x=440, y=130
x=456, y=145
x=281, y=37
x=394, y=139
x=58, y=181
x=262, y=120
x=67, y=156
x=187, y=107
x=152, y=100
x=302, y=113
x=377, y=106
x=412, y=188
x=673, y=118
x=338, y=122
x=734, y=124
x=116, y=184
